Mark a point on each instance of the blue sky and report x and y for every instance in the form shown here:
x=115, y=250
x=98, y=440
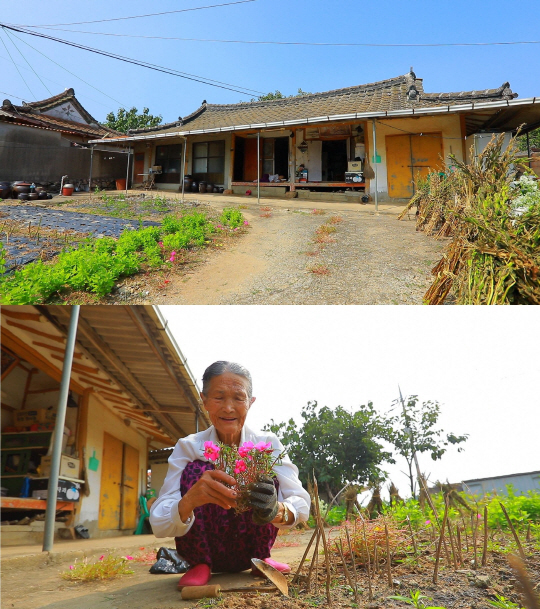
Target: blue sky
x=267, y=67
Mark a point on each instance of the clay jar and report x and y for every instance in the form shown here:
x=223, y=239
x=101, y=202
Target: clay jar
x=194, y=187
x=33, y=196
x=23, y=196
x=5, y=190
x=43, y=194
x=202, y=187
x=209, y=188
x=21, y=188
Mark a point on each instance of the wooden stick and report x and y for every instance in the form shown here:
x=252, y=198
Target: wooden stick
x=351, y=550
x=347, y=574
x=388, y=558
x=521, y=552
x=528, y=538
x=412, y=537
x=314, y=560
x=325, y=545
x=458, y=535
x=474, y=527
x=375, y=557
x=451, y=535
x=484, y=552
x=297, y=574
x=439, y=546
x=369, y=565
x=465, y=532
x=531, y=600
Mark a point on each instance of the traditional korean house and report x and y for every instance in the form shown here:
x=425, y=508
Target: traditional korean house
x=373, y=139
x=44, y=140
x=131, y=393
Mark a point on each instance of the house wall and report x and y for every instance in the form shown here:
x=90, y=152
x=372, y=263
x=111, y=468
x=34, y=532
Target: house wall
x=101, y=420
x=522, y=483
x=43, y=156
x=449, y=125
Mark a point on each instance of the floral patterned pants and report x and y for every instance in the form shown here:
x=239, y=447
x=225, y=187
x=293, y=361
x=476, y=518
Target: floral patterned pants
x=220, y=538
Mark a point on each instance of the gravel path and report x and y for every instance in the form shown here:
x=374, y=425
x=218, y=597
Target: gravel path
x=374, y=260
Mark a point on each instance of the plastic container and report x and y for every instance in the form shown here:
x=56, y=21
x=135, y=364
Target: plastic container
x=121, y=184
x=67, y=190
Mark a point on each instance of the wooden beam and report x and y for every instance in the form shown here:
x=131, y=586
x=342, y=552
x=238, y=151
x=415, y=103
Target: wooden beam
x=98, y=385
x=24, y=351
x=10, y=368
x=22, y=315
x=231, y=160
x=33, y=504
x=54, y=348
x=60, y=339
x=86, y=331
x=76, y=366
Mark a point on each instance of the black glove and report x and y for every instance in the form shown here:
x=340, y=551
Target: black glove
x=263, y=500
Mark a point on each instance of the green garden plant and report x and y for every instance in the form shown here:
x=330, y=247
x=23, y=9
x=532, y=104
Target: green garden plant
x=415, y=599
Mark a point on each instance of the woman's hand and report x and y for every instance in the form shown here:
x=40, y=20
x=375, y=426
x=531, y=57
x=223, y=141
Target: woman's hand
x=210, y=488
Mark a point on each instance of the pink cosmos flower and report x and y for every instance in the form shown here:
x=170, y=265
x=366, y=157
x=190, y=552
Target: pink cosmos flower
x=102, y=557
x=211, y=451
x=240, y=467
x=246, y=223
x=71, y=567
x=428, y=522
x=245, y=448
x=160, y=243
x=173, y=255
x=129, y=557
x=263, y=446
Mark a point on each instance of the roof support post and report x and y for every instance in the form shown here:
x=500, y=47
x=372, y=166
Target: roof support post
x=91, y=164
x=375, y=166
x=127, y=169
x=58, y=433
x=184, y=168
x=529, y=149
x=259, y=167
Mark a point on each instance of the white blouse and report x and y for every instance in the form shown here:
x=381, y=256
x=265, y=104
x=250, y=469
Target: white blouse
x=164, y=516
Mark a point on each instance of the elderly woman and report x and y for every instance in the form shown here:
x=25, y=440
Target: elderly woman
x=196, y=501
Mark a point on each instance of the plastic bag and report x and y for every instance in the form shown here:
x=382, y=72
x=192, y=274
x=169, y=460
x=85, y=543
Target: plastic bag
x=168, y=561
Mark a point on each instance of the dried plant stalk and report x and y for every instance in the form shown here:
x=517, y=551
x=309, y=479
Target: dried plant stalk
x=520, y=547
x=484, y=553
x=439, y=546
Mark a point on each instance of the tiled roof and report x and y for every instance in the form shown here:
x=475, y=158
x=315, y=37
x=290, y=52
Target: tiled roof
x=402, y=92
x=31, y=113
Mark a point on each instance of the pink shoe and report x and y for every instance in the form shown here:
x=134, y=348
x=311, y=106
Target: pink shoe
x=279, y=566
x=199, y=575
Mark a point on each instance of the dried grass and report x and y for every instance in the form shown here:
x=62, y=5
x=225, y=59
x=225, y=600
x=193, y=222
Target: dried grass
x=319, y=269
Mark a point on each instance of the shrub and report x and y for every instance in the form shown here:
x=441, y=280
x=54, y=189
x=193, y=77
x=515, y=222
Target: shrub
x=232, y=217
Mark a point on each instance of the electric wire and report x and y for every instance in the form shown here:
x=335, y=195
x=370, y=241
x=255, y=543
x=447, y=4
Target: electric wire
x=69, y=72
x=28, y=63
x=184, y=10
x=439, y=137
x=11, y=94
x=13, y=61
x=140, y=63
x=290, y=43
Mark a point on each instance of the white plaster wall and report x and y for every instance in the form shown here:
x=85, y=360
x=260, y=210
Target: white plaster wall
x=477, y=142
x=449, y=125
x=101, y=420
x=159, y=471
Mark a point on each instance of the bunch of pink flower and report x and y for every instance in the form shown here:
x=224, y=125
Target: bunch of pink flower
x=244, y=463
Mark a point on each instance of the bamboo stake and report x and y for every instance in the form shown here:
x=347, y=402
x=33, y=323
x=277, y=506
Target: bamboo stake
x=474, y=527
x=521, y=552
x=528, y=538
x=388, y=566
x=354, y=564
x=369, y=566
x=465, y=532
x=376, y=557
x=412, y=537
x=439, y=546
x=531, y=600
x=325, y=545
x=484, y=553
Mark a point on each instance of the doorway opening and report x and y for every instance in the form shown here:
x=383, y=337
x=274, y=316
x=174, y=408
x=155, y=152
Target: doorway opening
x=334, y=160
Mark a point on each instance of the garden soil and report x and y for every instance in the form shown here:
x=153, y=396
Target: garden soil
x=369, y=259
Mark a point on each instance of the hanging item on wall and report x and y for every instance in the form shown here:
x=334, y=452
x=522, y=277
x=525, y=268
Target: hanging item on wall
x=93, y=462
x=303, y=147
x=312, y=133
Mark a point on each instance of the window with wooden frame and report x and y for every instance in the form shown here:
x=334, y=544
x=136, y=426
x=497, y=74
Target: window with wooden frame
x=170, y=159
x=209, y=161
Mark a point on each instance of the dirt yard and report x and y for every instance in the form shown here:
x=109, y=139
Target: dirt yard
x=369, y=259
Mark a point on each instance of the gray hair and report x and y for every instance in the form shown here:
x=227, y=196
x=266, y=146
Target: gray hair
x=218, y=368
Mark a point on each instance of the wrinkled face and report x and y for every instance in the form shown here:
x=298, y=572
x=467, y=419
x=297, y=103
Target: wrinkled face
x=227, y=403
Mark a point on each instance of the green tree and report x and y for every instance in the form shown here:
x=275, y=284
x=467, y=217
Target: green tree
x=534, y=140
x=124, y=120
x=279, y=95
x=414, y=431
x=338, y=445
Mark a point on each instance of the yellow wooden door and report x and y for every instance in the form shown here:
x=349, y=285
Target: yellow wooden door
x=408, y=157
x=111, y=479
x=426, y=153
x=130, y=483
